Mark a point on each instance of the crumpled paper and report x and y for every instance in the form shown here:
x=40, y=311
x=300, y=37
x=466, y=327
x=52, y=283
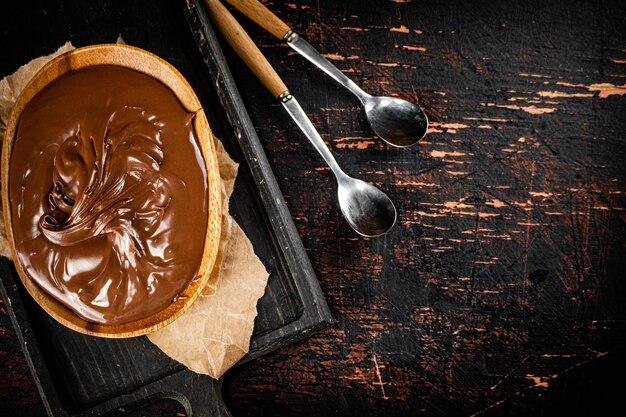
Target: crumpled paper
x=214, y=333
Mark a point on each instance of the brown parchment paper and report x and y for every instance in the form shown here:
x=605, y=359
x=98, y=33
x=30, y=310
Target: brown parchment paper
x=214, y=333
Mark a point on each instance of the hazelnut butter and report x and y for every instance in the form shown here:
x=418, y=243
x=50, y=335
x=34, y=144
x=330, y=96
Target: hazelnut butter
x=108, y=194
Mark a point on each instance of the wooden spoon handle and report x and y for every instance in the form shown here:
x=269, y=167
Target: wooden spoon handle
x=262, y=16
x=245, y=47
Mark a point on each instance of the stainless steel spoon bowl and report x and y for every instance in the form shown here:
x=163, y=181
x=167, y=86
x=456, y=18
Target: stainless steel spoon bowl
x=398, y=122
x=367, y=209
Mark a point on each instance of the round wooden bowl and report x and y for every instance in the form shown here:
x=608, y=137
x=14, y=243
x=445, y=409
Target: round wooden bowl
x=149, y=64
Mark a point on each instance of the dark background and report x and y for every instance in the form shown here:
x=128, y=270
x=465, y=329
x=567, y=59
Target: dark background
x=502, y=290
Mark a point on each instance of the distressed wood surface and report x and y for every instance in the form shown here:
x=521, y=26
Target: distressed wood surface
x=501, y=291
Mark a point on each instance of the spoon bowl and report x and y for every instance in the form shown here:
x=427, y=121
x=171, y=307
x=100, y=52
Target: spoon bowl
x=366, y=208
x=398, y=122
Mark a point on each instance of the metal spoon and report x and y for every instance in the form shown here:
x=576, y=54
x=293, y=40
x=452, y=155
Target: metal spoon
x=367, y=209
x=396, y=121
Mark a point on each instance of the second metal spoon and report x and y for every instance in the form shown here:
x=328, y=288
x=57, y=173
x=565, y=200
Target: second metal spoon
x=396, y=121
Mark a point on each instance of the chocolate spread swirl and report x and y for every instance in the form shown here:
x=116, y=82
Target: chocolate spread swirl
x=108, y=194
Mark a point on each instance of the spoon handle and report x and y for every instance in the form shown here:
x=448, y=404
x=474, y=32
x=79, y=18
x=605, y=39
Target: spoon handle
x=299, y=116
x=309, y=52
x=245, y=47
x=253, y=57
x=263, y=17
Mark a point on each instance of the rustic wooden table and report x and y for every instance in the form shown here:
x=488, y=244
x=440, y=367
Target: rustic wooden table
x=501, y=291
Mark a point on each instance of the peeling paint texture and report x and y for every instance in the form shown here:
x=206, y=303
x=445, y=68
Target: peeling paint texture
x=511, y=234
x=501, y=291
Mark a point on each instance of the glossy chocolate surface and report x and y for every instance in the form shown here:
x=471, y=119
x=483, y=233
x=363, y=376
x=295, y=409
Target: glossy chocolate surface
x=108, y=194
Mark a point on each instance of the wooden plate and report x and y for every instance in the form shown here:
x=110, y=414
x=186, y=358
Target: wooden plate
x=149, y=64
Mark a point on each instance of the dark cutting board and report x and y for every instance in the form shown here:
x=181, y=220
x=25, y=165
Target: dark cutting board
x=79, y=375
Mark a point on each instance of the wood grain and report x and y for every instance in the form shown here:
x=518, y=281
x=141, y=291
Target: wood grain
x=263, y=16
x=501, y=291
x=502, y=284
